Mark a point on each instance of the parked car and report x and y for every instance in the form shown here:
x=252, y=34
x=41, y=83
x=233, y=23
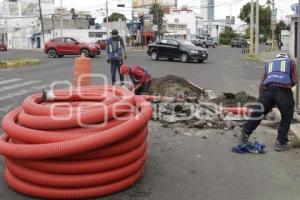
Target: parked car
x=196, y=42
x=70, y=46
x=207, y=42
x=240, y=43
x=101, y=44
x=3, y=47
x=176, y=49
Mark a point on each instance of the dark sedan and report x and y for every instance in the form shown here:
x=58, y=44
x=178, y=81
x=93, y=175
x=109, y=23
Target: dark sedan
x=176, y=49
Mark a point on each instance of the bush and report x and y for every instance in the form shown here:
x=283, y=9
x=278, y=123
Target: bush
x=227, y=36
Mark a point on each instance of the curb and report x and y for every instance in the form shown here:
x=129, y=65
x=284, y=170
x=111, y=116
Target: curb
x=18, y=63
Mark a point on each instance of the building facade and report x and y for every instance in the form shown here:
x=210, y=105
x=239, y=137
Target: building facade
x=183, y=22
x=147, y=3
x=21, y=26
x=19, y=21
x=207, y=9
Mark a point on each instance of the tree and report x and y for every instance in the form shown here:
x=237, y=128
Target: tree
x=114, y=17
x=281, y=26
x=264, y=18
x=157, y=12
x=227, y=36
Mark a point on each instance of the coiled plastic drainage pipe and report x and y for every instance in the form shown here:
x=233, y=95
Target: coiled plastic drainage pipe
x=86, y=143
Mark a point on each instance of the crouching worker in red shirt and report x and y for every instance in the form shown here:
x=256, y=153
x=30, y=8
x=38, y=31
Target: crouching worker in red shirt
x=140, y=77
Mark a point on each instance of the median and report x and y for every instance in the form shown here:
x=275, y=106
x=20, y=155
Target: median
x=15, y=63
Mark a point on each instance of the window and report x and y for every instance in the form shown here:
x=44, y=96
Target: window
x=172, y=43
x=59, y=40
x=70, y=40
x=163, y=42
x=95, y=34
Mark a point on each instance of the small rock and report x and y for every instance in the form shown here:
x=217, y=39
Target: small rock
x=210, y=125
x=199, y=124
x=204, y=137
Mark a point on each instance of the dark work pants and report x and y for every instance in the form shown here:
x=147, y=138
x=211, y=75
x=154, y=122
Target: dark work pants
x=270, y=97
x=143, y=89
x=114, y=67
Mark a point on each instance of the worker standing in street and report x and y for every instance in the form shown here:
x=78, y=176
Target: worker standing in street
x=280, y=76
x=140, y=77
x=115, y=49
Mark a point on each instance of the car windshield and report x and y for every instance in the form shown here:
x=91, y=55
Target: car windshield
x=186, y=43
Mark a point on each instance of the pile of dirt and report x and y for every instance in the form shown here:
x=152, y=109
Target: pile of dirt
x=234, y=100
x=174, y=86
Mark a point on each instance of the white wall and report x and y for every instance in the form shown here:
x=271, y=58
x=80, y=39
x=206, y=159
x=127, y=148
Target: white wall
x=82, y=34
x=188, y=18
x=285, y=38
x=292, y=38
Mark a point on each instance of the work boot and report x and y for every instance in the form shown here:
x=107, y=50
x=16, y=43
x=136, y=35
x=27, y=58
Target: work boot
x=282, y=147
x=244, y=138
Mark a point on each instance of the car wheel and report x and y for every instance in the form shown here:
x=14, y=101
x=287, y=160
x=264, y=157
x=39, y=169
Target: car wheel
x=200, y=61
x=85, y=52
x=170, y=59
x=214, y=46
x=154, y=55
x=61, y=55
x=52, y=53
x=204, y=45
x=184, y=58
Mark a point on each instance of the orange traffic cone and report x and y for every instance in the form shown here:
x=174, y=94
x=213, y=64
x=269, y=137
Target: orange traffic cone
x=82, y=71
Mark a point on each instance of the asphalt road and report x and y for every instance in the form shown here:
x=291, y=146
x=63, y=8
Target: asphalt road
x=184, y=165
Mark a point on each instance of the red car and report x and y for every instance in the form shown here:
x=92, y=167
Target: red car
x=101, y=43
x=3, y=47
x=70, y=46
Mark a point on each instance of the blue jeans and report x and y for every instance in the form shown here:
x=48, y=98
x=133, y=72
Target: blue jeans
x=115, y=66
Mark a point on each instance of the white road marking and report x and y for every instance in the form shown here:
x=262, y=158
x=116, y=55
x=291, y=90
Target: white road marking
x=22, y=92
x=27, y=83
x=9, y=81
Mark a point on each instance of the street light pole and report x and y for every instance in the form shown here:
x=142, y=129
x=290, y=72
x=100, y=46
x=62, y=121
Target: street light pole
x=298, y=58
x=257, y=28
x=251, y=27
x=61, y=18
x=107, y=30
x=273, y=21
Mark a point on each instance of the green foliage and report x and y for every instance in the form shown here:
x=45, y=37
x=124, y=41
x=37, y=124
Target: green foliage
x=114, y=17
x=264, y=18
x=157, y=12
x=281, y=26
x=227, y=36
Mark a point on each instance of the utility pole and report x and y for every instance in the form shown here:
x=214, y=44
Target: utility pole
x=257, y=28
x=273, y=27
x=157, y=20
x=42, y=21
x=298, y=59
x=106, y=8
x=251, y=27
x=61, y=18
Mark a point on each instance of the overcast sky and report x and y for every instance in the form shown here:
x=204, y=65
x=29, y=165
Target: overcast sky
x=222, y=7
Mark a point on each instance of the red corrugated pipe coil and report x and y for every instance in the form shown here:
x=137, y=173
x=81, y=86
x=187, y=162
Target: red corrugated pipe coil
x=49, y=154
